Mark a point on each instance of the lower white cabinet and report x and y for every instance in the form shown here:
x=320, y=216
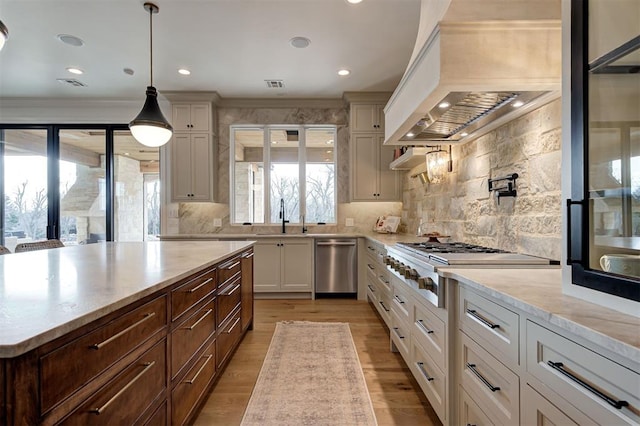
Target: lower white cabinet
x=536, y=410
x=283, y=265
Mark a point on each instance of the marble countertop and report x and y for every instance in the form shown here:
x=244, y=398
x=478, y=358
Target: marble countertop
x=48, y=293
x=538, y=292
x=196, y=237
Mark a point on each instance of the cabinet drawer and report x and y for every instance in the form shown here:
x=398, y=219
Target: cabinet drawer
x=430, y=331
x=73, y=365
x=228, y=335
x=228, y=271
x=372, y=291
x=431, y=379
x=187, y=393
x=229, y=298
x=536, y=410
x=471, y=414
x=385, y=283
x=126, y=398
x=159, y=417
x=400, y=335
x=595, y=385
x=490, y=324
x=493, y=386
x=384, y=308
x=191, y=292
x=190, y=335
x=371, y=267
x=402, y=303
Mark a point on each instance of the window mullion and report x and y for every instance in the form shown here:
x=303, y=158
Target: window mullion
x=267, y=175
x=302, y=175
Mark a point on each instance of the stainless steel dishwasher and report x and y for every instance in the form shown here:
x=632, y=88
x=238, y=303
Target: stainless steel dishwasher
x=336, y=267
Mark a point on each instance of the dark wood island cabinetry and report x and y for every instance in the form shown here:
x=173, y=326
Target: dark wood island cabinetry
x=150, y=361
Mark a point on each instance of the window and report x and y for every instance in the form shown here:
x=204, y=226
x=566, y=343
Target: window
x=283, y=166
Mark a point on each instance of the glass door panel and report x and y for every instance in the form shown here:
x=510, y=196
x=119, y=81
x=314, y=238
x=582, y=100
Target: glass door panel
x=25, y=186
x=83, y=199
x=136, y=189
x=284, y=175
x=248, y=167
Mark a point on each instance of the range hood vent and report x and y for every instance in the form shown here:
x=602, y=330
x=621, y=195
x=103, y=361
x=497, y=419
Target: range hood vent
x=469, y=77
x=462, y=113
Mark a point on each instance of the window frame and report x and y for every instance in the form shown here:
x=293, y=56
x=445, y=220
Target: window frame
x=266, y=160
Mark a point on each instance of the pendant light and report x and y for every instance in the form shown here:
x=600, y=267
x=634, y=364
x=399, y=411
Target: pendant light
x=150, y=128
x=438, y=164
x=4, y=34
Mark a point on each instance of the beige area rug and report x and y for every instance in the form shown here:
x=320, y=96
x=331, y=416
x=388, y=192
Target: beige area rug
x=310, y=376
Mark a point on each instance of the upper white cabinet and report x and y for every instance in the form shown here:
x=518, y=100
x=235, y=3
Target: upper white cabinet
x=371, y=178
x=367, y=117
x=192, y=117
x=192, y=152
x=191, y=164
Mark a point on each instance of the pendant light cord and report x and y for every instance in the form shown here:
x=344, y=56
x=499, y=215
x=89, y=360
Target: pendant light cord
x=151, y=43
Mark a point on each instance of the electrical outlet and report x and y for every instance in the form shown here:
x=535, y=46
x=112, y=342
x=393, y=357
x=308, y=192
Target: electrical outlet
x=349, y=222
x=217, y=222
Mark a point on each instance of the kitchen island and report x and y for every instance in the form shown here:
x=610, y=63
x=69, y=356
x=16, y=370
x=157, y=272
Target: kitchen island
x=119, y=332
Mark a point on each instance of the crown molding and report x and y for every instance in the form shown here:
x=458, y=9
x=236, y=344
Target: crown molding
x=377, y=97
x=332, y=103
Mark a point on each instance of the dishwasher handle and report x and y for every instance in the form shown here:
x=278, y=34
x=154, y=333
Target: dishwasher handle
x=336, y=243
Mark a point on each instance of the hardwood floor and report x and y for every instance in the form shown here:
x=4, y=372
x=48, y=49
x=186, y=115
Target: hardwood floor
x=396, y=397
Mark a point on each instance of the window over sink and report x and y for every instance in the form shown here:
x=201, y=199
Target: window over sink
x=275, y=166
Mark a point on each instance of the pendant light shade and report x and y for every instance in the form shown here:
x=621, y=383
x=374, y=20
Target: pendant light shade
x=437, y=165
x=150, y=127
x=4, y=34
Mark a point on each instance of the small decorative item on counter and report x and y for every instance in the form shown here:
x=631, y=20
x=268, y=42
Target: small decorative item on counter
x=433, y=237
x=387, y=224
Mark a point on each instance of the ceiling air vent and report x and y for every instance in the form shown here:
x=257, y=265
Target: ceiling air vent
x=72, y=82
x=274, y=84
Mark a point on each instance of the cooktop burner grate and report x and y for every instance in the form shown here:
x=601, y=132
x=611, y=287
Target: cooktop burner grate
x=429, y=247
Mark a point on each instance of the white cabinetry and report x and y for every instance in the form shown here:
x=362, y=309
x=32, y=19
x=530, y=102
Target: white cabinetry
x=367, y=117
x=192, y=174
x=283, y=265
x=378, y=284
x=192, y=153
x=191, y=117
x=371, y=177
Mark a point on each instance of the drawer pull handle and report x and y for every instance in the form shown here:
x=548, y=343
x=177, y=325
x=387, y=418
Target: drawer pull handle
x=489, y=324
x=398, y=332
x=123, y=332
x=424, y=372
x=230, y=267
x=384, y=307
x=371, y=288
x=233, y=325
x=398, y=299
x=196, y=288
x=233, y=290
x=383, y=279
x=424, y=327
x=370, y=248
x=193, y=379
x=559, y=367
x=492, y=388
x=247, y=255
x=370, y=266
x=195, y=324
x=147, y=366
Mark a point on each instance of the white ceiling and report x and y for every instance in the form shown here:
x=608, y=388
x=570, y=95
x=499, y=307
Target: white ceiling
x=230, y=46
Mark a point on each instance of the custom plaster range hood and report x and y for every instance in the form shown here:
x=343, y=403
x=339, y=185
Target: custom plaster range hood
x=470, y=77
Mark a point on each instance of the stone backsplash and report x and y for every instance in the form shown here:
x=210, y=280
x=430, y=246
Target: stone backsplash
x=462, y=206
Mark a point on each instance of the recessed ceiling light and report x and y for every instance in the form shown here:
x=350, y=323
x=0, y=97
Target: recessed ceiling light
x=184, y=71
x=126, y=153
x=354, y=1
x=344, y=72
x=410, y=134
x=74, y=70
x=444, y=105
x=329, y=151
x=329, y=142
x=463, y=134
x=70, y=40
x=518, y=104
x=300, y=42
x=274, y=142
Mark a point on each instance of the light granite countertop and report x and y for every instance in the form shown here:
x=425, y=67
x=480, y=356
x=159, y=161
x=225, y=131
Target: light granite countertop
x=46, y=294
x=538, y=292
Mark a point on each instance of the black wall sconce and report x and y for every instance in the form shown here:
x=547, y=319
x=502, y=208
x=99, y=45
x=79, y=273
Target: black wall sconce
x=507, y=189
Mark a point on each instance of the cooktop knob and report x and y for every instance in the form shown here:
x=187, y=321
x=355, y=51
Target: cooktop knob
x=410, y=273
x=386, y=260
x=426, y=283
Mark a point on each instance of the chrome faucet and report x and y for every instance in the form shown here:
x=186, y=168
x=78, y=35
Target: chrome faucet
x=282, y=215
